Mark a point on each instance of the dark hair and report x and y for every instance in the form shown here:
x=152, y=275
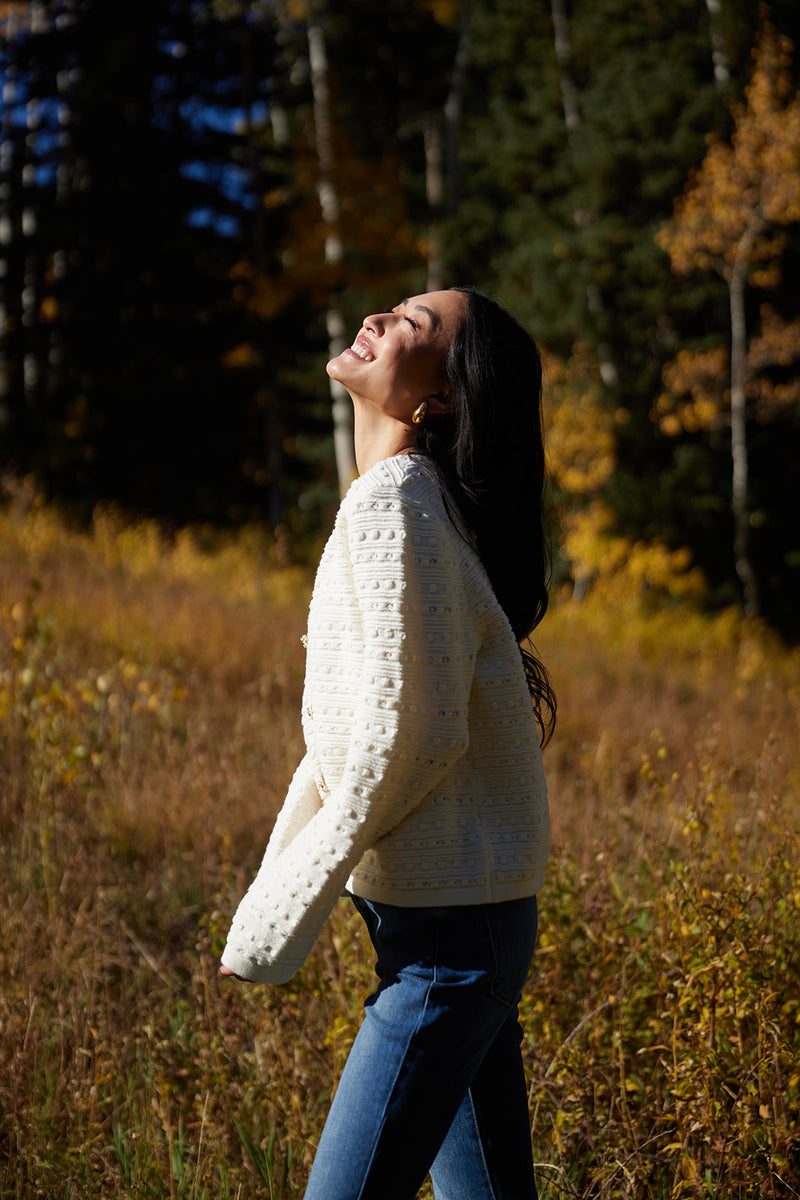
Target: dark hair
x=491, y=453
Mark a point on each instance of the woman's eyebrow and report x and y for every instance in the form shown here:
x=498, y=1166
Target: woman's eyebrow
x=435, y=319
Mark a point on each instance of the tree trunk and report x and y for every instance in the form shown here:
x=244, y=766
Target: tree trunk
x=434, y=191
x=719, y=55
x=452, y=109
x=569, y=97
x=572, y=120
x=329, y=203
x=741, y=515
x=441, y=139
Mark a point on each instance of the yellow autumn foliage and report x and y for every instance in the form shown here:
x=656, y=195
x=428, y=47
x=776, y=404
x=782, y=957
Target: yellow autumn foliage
x=581, y=455
x=149, y=724
x=776, y=344
x=624, y=571
x=747, y=187
x=730, y=221
x=696, y=392
x=581, y=446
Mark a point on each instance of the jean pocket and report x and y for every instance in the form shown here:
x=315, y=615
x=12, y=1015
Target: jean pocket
x=512, y=927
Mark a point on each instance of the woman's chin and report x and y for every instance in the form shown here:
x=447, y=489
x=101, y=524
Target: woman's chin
x=336, y=366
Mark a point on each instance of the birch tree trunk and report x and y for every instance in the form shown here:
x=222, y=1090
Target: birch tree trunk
x=9, y=235
x=561, y=44
x=739, y=480
x=719, y=56
x=434, y=193
x=329, y=203
x=441, y=139
x=452, y=108
x=23, y=268
x=572, y=120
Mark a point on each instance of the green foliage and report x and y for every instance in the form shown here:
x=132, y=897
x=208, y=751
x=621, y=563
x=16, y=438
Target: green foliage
x=149, y=380
x=264, y=1160
x=549, y=212
x=164, y=274
x=559, y=221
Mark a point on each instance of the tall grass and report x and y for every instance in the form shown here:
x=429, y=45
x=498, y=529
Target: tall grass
x=149, y=721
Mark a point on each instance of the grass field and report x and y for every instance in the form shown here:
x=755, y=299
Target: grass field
x=149, y=721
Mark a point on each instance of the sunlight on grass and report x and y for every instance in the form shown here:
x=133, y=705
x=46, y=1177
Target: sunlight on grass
x=149, y=722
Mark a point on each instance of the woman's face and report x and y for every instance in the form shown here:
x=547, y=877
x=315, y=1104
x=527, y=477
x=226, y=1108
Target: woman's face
x=397, y=359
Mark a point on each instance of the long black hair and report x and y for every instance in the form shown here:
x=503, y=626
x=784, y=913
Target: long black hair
x=490, y=449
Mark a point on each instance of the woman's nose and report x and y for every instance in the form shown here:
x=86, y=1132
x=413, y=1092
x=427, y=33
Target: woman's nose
x=377, y=322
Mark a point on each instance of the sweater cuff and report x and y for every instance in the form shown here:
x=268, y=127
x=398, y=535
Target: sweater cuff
x=244, y=966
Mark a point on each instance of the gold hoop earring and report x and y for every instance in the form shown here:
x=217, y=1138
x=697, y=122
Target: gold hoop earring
x=418, y=415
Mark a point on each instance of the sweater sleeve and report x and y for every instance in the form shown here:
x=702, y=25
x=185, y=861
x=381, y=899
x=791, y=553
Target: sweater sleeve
x=302, y=801
x=410, y=726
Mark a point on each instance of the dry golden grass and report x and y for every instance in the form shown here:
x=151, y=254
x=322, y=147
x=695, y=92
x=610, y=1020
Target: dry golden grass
x=149, y=721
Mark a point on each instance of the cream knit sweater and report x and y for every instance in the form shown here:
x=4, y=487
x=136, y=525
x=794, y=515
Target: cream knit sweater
x=422, y=783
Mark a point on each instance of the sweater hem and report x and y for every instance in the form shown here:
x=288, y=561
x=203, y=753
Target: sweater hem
x=441, y=897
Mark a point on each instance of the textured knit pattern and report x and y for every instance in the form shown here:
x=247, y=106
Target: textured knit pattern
x=422, y=783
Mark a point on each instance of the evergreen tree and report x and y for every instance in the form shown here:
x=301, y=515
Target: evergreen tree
x=126, y=373
x=559, y=215
x=163, y=243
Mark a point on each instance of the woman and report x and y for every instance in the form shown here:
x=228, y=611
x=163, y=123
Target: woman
x=422, y=793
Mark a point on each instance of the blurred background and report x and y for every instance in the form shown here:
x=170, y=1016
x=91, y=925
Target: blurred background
x=199, y=199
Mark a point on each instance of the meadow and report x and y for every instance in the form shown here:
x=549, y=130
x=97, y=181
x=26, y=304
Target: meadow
x=149, y=722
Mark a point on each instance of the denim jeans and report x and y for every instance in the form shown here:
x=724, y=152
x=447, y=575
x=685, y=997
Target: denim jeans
x=434, y=1081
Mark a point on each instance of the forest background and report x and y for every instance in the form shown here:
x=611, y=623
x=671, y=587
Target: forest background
x=200, y=199
x=197, y=201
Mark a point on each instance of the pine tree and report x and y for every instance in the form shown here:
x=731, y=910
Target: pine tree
x=556, y=210
x=125, y=378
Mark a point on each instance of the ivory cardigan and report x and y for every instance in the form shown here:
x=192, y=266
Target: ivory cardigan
x=422, y=782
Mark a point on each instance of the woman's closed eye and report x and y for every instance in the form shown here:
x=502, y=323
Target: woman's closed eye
x=414, y=324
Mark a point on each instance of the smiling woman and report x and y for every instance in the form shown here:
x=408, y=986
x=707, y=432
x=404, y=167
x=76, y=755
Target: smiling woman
x=396, y=363
x=421, y=793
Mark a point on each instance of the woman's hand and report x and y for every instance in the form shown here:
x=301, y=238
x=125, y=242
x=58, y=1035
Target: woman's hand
x=223, y=970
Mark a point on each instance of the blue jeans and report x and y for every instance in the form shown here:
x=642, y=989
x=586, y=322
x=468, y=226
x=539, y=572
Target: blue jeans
x=434, y=1082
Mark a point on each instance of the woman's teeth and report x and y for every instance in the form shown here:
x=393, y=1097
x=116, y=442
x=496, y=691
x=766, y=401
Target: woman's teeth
x=362, y=350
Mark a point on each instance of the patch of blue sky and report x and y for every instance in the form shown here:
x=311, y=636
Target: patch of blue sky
x=45, y=174
x=36, y=114
x=222, y=118
x=173, y=47
x=46, y=141
x=232, y=181
x=205, y=218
